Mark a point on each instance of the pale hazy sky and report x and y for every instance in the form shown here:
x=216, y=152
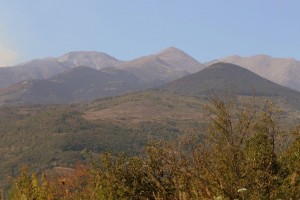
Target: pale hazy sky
x=127, y=29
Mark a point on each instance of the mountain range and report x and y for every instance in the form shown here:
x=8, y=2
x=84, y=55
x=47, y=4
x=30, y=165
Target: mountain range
x=162, y=67
x=48, y=67
x=84, y=76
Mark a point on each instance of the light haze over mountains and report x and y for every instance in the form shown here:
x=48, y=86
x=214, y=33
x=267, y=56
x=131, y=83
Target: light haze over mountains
x=87, y=75
x=81, y=76
x=166, y=65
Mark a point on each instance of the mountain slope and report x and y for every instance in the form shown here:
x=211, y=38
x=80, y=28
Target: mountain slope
x=36, y=69
x=284, y=71
x=167, y=65
x=78, y=84
x=48, y=136
x=220, y=77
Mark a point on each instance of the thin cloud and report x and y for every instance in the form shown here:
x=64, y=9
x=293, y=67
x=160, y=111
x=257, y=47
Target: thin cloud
x=7, y=56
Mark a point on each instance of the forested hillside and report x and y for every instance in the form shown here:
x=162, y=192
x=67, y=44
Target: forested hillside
x=243, y=154
x=49, y=136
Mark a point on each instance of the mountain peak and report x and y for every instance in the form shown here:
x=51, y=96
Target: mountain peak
x=94, y=59
x=179, y=60
x=171, y=50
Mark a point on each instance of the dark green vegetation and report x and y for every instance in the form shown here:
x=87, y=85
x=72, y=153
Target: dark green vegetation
x=240, y=156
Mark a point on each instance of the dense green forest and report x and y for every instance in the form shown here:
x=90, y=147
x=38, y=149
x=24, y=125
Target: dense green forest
x=245, y=150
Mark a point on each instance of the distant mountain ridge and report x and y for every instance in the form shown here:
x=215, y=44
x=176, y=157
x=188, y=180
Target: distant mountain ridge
x=162, y=67
x=284, y=71
x=87, y=75
x=48, y=67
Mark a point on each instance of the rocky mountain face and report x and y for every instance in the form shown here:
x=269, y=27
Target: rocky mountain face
x=284, y=71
